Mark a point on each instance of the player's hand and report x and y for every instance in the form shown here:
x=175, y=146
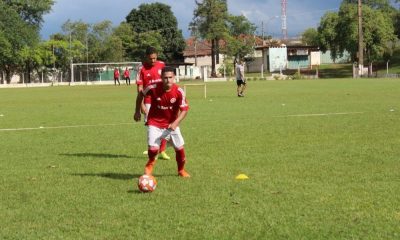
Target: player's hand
x=137, y=116
x=173, y=126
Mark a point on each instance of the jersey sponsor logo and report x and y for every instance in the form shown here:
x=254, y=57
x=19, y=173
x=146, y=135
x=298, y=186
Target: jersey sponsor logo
x=163, y=107
x=172, y=100
x=155, y=81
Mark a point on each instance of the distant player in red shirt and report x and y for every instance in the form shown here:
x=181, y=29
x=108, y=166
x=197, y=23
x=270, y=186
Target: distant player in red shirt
x=127, y=77
x=116, y=76
x=150, y=73
x=169, y=108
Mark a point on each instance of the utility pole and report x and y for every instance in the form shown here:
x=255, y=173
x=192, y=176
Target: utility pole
x=87, y=59
x=360, y=41
x=262, y=30
x=283, y=16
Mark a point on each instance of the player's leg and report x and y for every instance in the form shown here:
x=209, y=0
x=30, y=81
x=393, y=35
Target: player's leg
x=243, y=88
x=178, y=143
x=153, y=141
x=163, y=154
x=147, y=106
x=239, y=84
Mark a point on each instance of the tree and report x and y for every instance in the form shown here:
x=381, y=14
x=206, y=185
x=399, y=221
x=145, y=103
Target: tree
x=210, y=17
x=338, y=32
x=19, y=29
x=375, y=4
x=397, y=24
x=156, y=19
x=125, y=32
x=310, y=37
x=240, y=40
x=328, y=35
x=93, y=42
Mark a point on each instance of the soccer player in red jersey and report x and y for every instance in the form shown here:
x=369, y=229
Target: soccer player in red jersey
x=127, y=76
x=150, y=73
x=116, y=76
x=169, y=108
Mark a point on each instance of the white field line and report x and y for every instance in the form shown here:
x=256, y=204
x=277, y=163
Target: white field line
x=319, y=114
x=118, y=124
x=61, y=127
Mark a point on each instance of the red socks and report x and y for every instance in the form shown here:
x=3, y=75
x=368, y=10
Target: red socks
x=152, y=153
x=180, y=158
x=163, y=145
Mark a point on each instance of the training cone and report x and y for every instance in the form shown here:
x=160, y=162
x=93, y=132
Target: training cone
x=241, y=177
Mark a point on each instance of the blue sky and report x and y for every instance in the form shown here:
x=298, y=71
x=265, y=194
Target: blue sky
x=301, y=14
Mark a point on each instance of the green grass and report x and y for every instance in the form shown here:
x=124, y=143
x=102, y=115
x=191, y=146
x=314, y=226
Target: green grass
x=311, y=177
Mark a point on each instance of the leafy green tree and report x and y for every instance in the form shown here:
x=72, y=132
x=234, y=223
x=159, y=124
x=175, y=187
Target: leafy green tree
x=125, y=33
x=375, y=4
x=30, y=11
x=339, y=31
x=19, y=29
x=397, y=24
x=310, y=37
x=78, y=30
x=328, y=35
x=210, y=19
x=240, y=41
x=147, y=39
x=92, y=42
x=151, y=20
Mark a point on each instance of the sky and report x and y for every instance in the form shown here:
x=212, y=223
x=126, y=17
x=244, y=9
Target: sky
x=301, y=14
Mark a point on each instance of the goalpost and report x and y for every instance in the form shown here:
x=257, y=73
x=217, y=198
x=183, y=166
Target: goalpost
x=102, y=72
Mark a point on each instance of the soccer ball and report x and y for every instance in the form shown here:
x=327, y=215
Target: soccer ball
x=147, y=183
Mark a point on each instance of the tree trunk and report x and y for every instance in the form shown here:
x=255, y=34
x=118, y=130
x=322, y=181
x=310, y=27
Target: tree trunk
x=29, y=72
x=217, y=50
x=8, y=75
x=213, y=72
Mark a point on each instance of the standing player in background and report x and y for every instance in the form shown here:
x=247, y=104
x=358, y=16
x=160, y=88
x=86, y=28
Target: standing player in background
x=116, y=76
x=240, y=80
x=169, y=108
x=148, y=74
x=127, y=77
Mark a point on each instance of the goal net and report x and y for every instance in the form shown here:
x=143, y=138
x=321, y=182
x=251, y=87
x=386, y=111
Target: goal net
x=102, y=72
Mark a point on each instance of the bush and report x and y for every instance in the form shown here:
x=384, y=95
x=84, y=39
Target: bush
x=228, y=70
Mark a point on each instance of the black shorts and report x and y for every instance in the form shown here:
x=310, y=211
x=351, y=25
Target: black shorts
x=240, y=82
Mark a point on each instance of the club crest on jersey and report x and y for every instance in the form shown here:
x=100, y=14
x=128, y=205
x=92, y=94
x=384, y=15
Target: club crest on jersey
x=173, y=100
x=158, y=99
x=159, y=71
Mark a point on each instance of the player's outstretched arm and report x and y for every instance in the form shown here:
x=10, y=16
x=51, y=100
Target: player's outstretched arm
x=175, y=124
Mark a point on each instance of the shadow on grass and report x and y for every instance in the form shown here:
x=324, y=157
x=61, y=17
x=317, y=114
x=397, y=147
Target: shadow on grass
x=117, y=176
x=96, y=155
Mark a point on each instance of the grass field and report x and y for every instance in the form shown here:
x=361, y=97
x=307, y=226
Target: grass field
x=322, y=156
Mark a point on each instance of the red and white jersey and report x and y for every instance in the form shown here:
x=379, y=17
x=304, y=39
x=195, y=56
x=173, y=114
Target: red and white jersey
x=165, y=106
x=126, y=73
x=150, y=74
